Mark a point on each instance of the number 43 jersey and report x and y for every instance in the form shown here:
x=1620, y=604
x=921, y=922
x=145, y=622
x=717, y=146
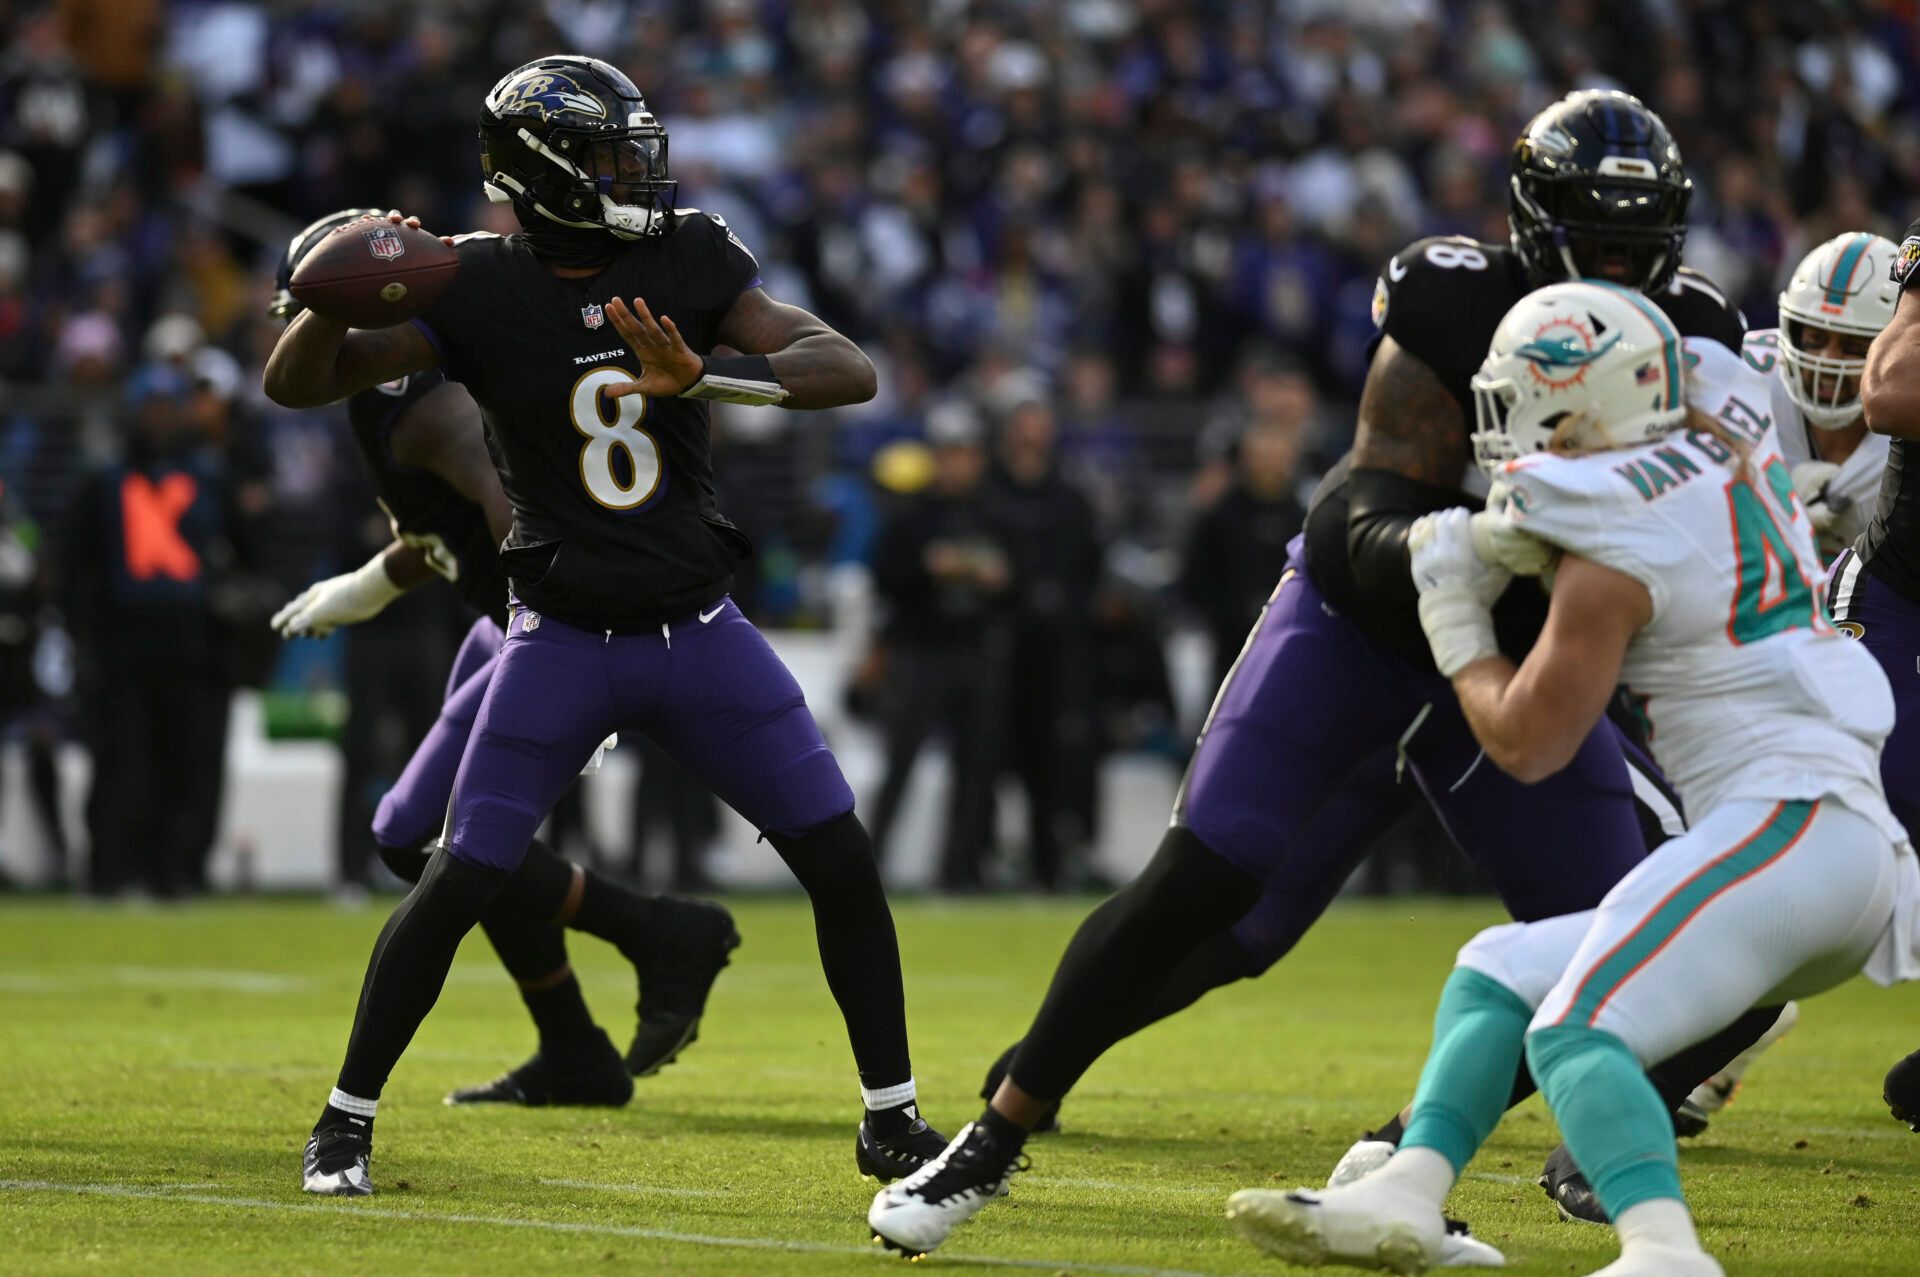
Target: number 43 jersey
x=1747, y=690
x=614, y=520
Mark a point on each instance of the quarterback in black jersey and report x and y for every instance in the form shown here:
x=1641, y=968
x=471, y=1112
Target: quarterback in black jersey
x=420, y=439
x=1335, y=693
x=1878, y=602
x=591, y=342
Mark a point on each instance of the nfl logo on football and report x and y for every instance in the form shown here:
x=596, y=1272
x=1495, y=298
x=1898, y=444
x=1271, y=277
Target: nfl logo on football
x=384, y=242
x=593, y=316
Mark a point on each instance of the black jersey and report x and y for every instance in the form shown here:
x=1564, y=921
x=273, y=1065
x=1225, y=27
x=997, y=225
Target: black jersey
x=1441, y=300
x=424, y=509
x=614, y=521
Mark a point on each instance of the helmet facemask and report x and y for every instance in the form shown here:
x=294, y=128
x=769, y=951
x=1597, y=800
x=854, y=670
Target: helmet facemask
x=1826, y=388
x=1629, y=233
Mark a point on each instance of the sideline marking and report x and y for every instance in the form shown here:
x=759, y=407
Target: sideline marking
x=342, y=1210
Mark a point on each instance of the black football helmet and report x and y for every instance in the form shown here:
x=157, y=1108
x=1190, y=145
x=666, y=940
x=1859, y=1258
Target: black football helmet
x=1598, y=192
x=283, y=306
x=569, y=139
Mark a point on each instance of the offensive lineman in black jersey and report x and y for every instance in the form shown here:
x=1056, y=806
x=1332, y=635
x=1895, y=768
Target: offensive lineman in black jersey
x=619, y=561
x=1878, y=601
x=1288, y=786
x=421, y=440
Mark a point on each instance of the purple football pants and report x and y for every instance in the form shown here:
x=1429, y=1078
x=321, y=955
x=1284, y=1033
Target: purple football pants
x=1888, y=625
x=1299, y=770
x=414, y=810
x=710, y=692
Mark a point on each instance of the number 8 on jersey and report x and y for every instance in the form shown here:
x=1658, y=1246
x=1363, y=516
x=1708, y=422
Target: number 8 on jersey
x=586, y=407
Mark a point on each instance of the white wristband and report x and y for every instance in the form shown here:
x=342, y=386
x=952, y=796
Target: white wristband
x=1459, y=628
x=372, y=585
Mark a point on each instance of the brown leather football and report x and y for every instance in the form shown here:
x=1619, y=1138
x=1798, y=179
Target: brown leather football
x=374, y=274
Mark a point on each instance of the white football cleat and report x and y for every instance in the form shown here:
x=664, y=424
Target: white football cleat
x=1363, y=1159
x=1369, y=1225
x=915, y=1215
x=1663, y=1261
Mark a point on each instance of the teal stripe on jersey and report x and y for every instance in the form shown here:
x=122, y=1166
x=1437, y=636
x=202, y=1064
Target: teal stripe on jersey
x=1782, y=829
x=1843, y=270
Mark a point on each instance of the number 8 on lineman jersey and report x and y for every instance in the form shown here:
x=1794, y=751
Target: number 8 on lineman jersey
x=604, y=438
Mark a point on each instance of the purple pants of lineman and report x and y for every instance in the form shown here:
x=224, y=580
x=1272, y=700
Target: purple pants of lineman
x=707, y=689
x=414, y=810
x=1297, y=774
x=1888, y=625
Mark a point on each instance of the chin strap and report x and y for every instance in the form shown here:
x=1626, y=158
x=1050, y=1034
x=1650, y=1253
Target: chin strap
x=739, y=379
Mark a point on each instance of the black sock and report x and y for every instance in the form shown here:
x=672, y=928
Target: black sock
x=1390, y=1130
x=409, y=966
x=1008, y=1136
x=536, y=957
x=1123, y=955
x=615, y=913
x=890, y=1123
x=536, y=892
x=858, y=949
x=338, y=1119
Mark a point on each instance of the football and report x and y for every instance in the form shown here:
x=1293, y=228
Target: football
x=374, y=274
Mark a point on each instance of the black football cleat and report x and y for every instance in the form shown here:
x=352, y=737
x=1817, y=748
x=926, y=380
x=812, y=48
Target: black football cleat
x=1572, y=1196
x=891, y=1159
x=1902, y=1091
x=688, y=946
x=1049, y=1122
x=596, y=1079
x=335, y=1163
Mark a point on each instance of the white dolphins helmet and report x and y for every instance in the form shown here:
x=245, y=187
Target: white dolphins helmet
x=1844, y=286
x=1586, y=348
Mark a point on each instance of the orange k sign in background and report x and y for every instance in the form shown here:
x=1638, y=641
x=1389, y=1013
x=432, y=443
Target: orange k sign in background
x=150, y=515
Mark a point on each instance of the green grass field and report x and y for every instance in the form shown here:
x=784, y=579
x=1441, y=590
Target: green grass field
x=161, y=1069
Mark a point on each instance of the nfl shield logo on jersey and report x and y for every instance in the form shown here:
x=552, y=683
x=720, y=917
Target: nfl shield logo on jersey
x=593, y=316
x=385, y=243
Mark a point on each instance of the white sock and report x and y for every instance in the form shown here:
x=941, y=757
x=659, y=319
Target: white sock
x=888, y=1097
x=1660, y=1221
x=1421, y=1171
x=352, y=1103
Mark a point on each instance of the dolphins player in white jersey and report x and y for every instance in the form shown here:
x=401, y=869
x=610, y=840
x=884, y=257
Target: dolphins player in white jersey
x=1837, y=301
x=1684, y=568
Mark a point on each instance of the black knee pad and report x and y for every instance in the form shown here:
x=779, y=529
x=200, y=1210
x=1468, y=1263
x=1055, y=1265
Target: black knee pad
x=405, y=863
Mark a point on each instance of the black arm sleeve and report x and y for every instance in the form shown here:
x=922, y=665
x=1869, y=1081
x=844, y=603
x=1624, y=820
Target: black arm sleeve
x=1381, y=507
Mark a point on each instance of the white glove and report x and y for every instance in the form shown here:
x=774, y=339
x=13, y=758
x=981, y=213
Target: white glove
x=338, y=600
x=1499, y=543
x=1810, y=480
x=1456, y=588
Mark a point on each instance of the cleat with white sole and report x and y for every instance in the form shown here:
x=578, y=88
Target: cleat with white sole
x=915, y=1215
x=335, y=1164
x=1367, y=1225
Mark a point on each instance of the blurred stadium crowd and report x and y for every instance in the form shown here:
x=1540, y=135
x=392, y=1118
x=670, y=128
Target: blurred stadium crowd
x=1113, y=259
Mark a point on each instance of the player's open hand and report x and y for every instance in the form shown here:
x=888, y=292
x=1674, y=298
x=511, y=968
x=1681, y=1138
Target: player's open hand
x=667, y=365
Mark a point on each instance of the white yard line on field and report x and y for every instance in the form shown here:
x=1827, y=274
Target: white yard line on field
x=209, y=978
x=345, y=1210
x=1528, y=1181
x=638, y=1189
